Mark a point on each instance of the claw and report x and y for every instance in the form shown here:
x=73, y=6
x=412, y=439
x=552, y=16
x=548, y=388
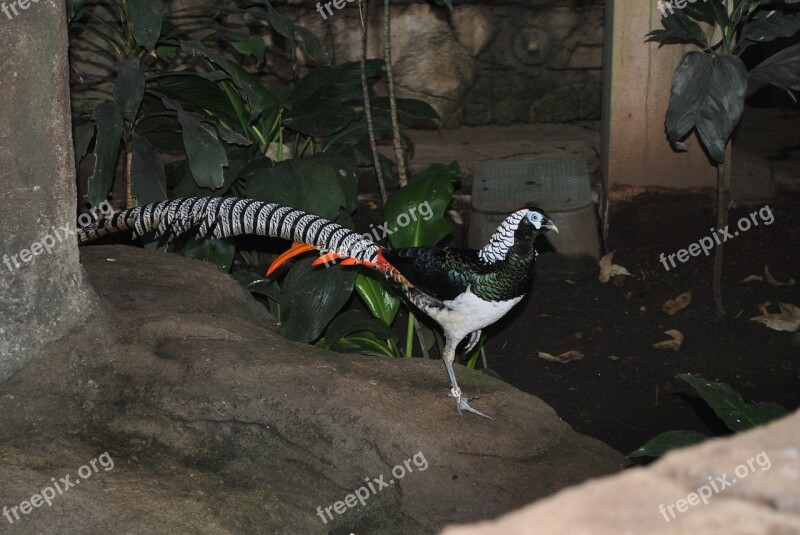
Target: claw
x=463, y=405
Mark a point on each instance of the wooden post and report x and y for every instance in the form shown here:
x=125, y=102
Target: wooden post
x=638, y=79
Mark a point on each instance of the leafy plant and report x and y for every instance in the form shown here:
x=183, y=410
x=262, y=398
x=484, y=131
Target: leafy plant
x=726, y=403
x=708, y=87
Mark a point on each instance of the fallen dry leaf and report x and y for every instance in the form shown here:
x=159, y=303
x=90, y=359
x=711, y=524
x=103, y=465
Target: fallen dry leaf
x=563, y=358
x=673, y=306
x=788, y=319
x=763, y=308
x=608, y=270
x=752, y=278
x=773, y=281
x=674, y=344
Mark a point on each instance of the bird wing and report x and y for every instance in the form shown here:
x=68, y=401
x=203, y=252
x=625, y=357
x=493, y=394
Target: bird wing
x=440, y=272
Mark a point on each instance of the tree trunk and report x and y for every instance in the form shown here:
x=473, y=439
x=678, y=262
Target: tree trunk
x=42, y=287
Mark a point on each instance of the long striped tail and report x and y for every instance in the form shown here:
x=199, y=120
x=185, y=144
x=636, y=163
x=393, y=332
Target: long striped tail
x=222, y=217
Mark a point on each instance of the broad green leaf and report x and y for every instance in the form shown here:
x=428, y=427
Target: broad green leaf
x=202, y=93
x=73, y=7
x=204, y=151
x=707, y=94
x=325, y=86
x=145, y=17
x=352, y=321
x=129, y=88
x=82, y=135
x=415, y=213
x=321, y=184
x=781, y=69
x=731, y=407
x=768, y=25
x=323, y=122
x=148, y=178
x=311, y=298
x=218, y=252
x=658, y=446
x=258, y=285
x=280, y=23
x=311, y=46
x=679, y=28
x=377, y=297
x=254, y=45
x=364, y=342
x=108, y=122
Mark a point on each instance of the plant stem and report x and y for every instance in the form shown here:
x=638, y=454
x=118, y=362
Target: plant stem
x=410, y=334
x=722, y=221
x=363, y=13
x=402, y=174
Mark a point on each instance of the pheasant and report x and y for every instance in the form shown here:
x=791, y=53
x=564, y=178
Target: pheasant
x=463, y=290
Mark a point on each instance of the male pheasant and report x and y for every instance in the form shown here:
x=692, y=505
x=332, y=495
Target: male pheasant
x=463, y=290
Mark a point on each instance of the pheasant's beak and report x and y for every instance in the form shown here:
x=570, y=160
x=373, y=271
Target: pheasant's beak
x=551, y=226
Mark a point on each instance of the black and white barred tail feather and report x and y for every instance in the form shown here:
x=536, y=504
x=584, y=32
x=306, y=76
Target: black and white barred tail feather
x=231, y=216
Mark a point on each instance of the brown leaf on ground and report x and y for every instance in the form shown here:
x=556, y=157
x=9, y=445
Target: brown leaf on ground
x=563, y=358
x=674, y=344
x=788, y=319
x=752, y=278
x=673, y=306
x=608, y=270
x=773, y=282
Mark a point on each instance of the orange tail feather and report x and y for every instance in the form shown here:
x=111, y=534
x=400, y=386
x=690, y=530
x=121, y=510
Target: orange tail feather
x=294, y=250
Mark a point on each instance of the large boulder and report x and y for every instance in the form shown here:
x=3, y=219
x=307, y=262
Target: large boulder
x=216, y=424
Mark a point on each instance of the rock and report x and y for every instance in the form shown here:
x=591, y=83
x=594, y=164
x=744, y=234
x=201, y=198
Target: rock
x=216, y=424
x=757, y=475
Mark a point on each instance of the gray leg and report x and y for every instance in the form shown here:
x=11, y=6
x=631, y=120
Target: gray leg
x=448, y=358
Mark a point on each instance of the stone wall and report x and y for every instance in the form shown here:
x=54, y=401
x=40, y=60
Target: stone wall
x=534, y=61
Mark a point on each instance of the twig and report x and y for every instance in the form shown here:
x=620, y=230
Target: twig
x=402, y=174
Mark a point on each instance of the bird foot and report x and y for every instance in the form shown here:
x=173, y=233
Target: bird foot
x=463, y=405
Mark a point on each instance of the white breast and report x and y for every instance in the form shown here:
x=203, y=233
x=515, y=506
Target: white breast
x=468, y=312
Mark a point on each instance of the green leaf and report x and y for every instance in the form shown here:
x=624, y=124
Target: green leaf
x=201, y=93
x=108, y=122
x=768, y=25
x=205, y=153
x=258, y=285
x=217, y=252
x=145, y=17
x=254, y=45
x=708, y=95
x=82, y=135
x=781, y=69
x=323, y=122
x=352, y=321
x=658, y=446
x=129, y=88
x=312, y=297
x=415, y=213
x=679, y=28
x=363, y=342
x=321, y=184
x=731, y=407
x=311, y=46
x=280, y=23
x=148, y=178
x=73, y=7
x=378, y=298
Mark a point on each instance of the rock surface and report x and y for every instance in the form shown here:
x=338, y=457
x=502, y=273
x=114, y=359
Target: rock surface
x=751, y=483
x=215, y=424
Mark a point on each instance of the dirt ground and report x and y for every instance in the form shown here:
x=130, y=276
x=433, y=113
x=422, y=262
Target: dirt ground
x=624, y=391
